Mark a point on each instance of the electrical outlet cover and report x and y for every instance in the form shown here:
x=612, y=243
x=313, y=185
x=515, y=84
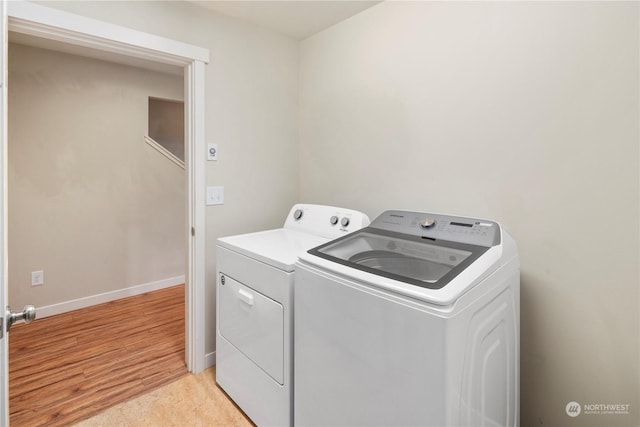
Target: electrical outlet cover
x=37, y=278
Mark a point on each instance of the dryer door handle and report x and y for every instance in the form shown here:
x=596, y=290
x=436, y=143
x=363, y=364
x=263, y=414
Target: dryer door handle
x=245, y=296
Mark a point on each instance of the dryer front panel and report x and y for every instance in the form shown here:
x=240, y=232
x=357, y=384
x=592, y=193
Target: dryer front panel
x=254, y=324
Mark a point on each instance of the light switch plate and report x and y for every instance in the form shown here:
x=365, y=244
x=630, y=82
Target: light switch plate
x=212, y=151
x=215, y=196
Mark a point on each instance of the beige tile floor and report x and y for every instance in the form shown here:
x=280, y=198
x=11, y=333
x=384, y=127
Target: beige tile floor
x=193, y=401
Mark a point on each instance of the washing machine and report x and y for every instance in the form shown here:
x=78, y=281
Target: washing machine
x=255, y=288
x=412, y=321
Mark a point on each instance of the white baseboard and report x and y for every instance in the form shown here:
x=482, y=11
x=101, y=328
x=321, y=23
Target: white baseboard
x=209, y=360
x=63, y=307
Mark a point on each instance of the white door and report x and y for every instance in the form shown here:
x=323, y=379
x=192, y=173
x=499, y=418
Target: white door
x=6, y=316
x=4, y=341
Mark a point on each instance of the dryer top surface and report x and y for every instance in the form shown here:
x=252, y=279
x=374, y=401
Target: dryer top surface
x=278, y=248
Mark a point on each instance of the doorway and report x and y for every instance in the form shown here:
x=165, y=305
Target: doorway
x=93, y=210
x=101, y=215
x=108, y=40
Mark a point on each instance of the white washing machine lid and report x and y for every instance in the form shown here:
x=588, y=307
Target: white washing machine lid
x=478, y=271
x=431, y=257
x=278, y=248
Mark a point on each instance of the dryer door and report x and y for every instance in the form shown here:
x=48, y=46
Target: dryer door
x=253, y=323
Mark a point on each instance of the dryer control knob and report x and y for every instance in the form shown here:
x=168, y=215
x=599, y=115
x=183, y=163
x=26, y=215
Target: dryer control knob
x=297, y=214
x=345, y=221
x=427, y=222
x=334, y=220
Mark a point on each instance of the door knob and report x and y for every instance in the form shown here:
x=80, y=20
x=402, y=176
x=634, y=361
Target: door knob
x=28, y=315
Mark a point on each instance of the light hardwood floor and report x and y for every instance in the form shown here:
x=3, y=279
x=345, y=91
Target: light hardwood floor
x=69, y=367
x=191, y=401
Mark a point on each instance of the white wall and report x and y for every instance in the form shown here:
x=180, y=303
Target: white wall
x=523, y=112
x=90, y=203
x=250, y=109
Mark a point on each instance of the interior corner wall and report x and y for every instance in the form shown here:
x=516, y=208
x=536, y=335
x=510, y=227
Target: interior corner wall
x=522, y=112
x=90, y=203
x=251, y=105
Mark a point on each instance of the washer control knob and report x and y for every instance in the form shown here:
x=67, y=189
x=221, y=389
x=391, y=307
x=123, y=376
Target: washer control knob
x=297, y=214
x=334, y=220
x=427, y=222
x=345, y=221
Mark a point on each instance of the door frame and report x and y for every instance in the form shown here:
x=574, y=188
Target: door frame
x=44, y=22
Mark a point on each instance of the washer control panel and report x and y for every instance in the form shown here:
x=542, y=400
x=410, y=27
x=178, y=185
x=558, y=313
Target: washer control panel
x=327, y=221
x=443, y=227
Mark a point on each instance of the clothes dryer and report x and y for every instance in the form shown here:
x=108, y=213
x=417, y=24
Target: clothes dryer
x=255, y=288
x=411, y=321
